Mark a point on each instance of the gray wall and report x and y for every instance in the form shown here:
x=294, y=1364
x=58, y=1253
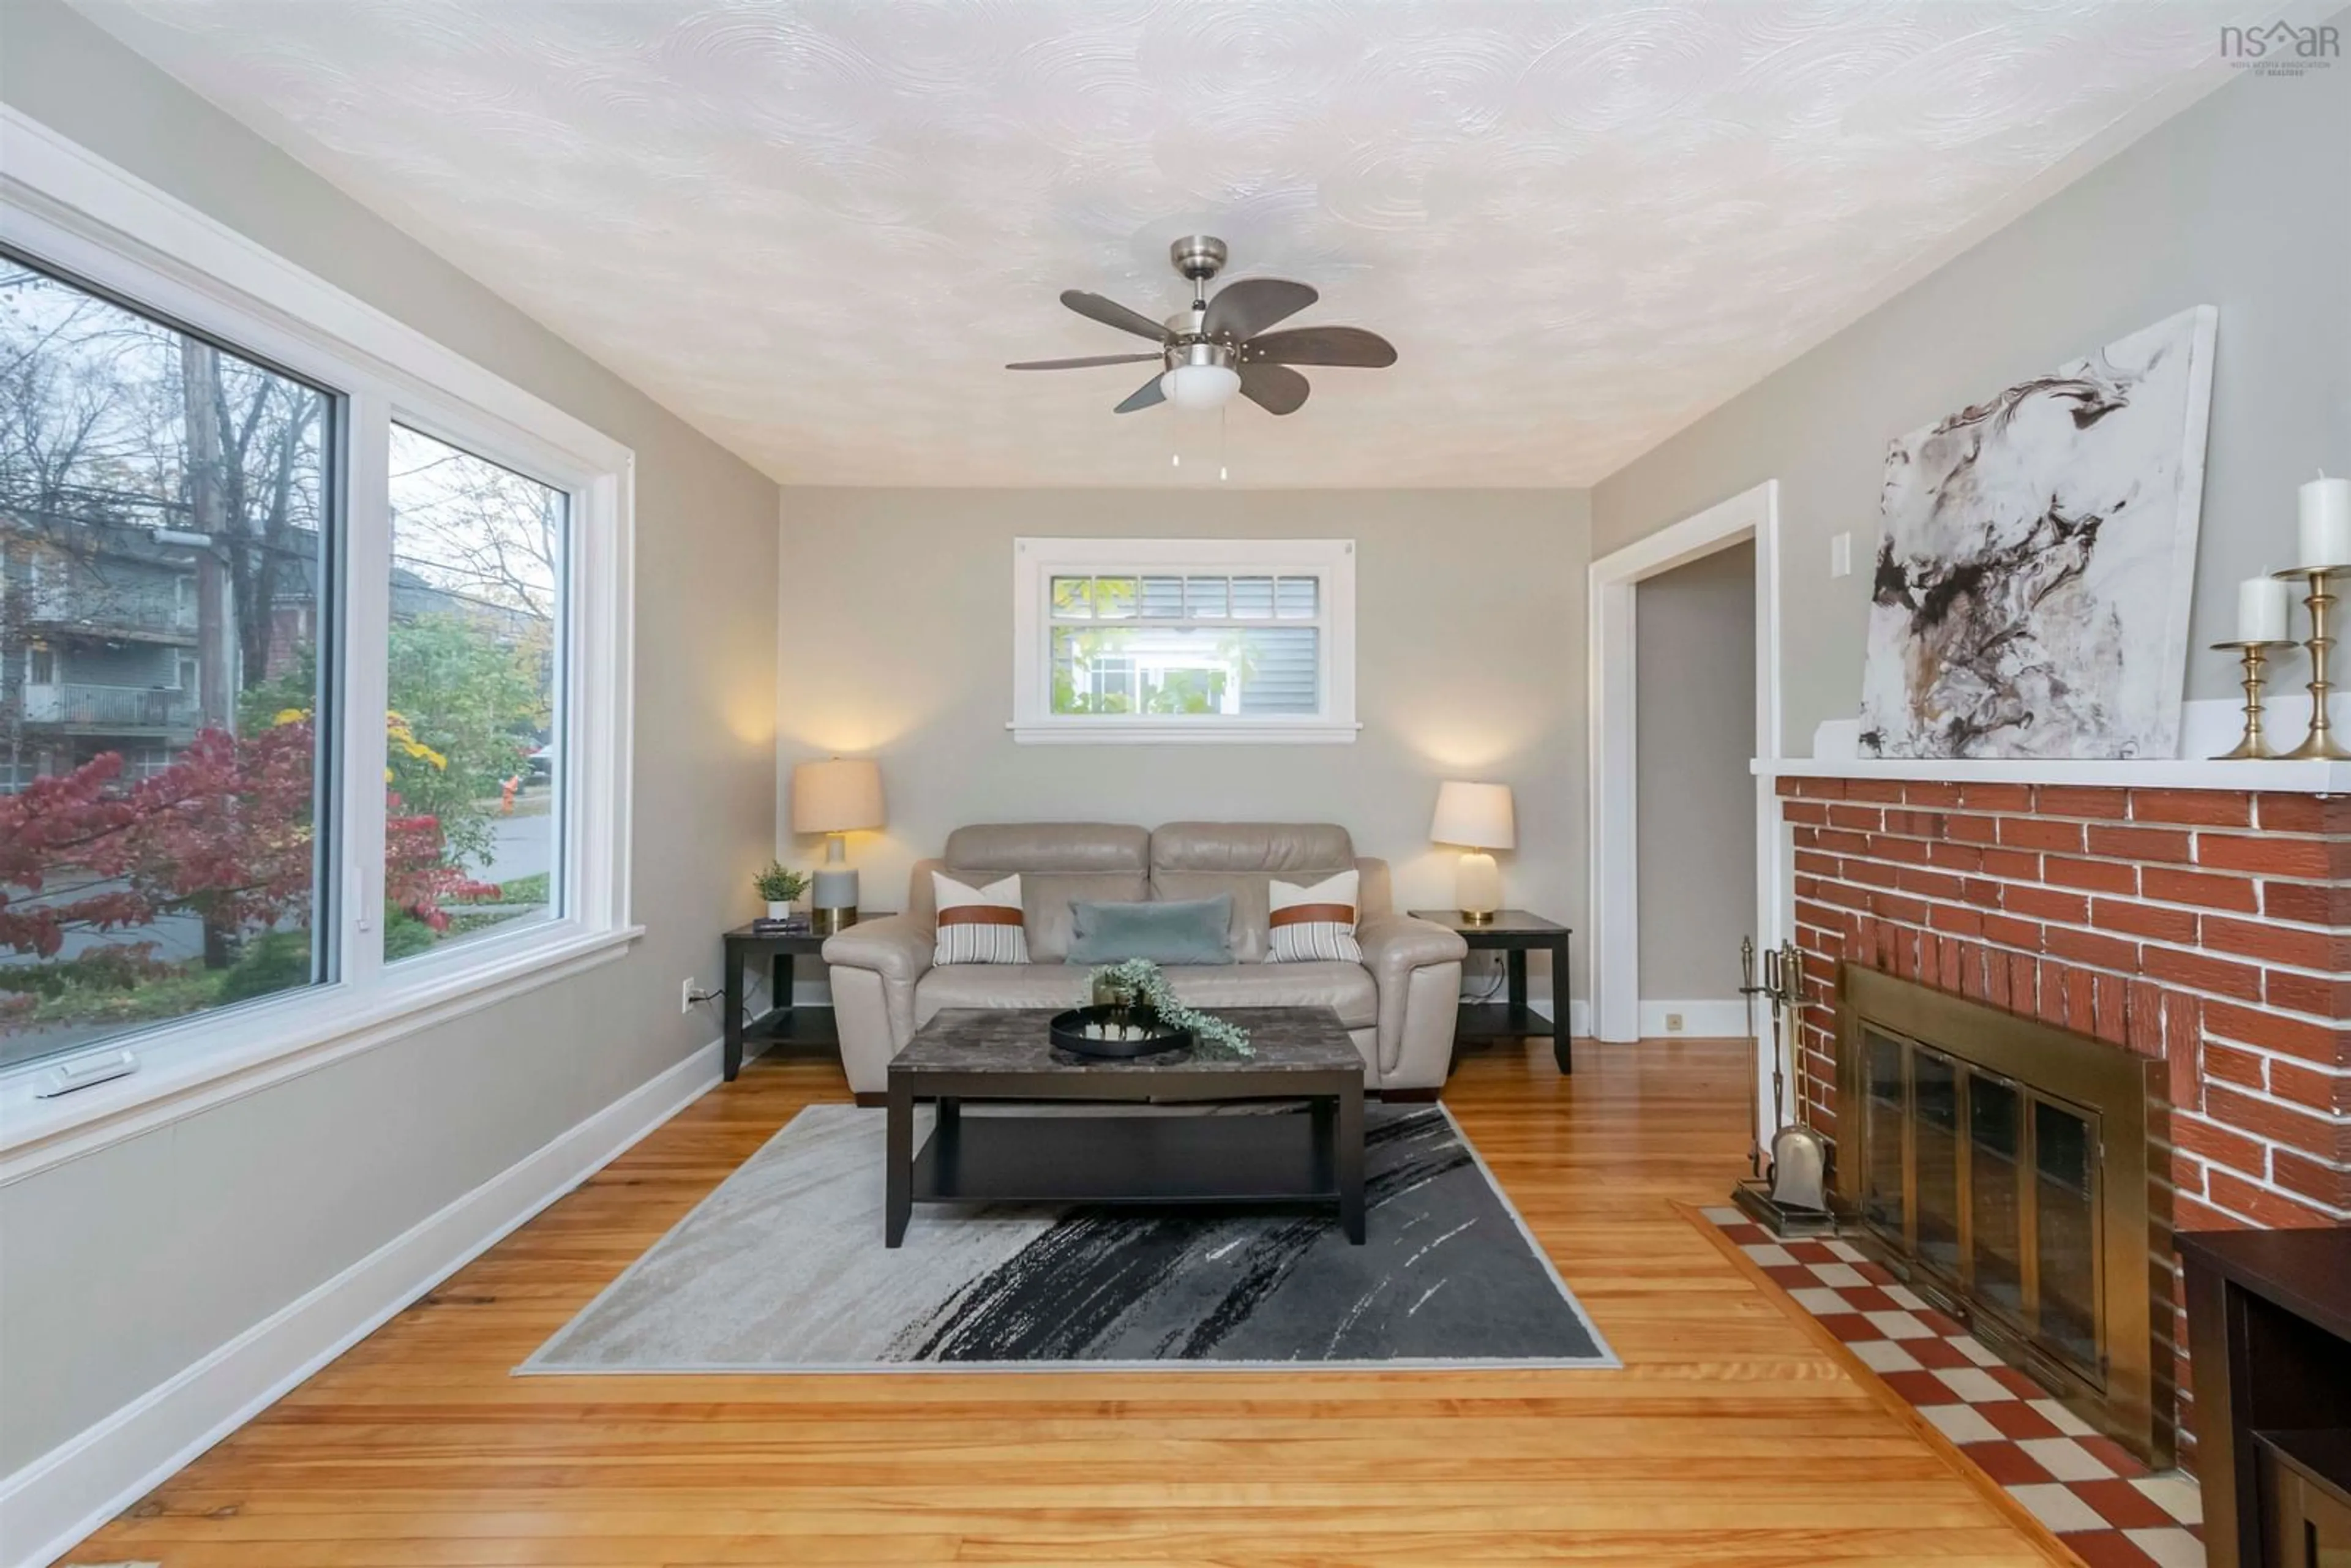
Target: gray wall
x=1469, y=664
x=1694, y=706
x=125, y=1265
x=2244, y=202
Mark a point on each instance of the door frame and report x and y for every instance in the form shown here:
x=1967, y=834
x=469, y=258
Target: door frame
x=1753, y=514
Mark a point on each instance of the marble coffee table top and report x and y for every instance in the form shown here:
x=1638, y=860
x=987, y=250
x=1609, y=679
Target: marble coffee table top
x=975, y=1040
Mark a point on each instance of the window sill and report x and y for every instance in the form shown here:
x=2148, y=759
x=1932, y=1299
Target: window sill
x=1179, y=732
x=268, y=1044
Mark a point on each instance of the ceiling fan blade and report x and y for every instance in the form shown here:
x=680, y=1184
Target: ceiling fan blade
x=1250, y=306
x=1277, y=389
x=1111, y=313
x=1145, y=395
x=1322, y=346
x=1090, y=359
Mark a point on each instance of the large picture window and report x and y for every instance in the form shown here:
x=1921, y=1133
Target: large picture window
x=1157, y=640
x=314, y=653
x=166, y=511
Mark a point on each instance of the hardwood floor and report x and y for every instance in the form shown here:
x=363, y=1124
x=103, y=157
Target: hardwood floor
x=1731, y=1437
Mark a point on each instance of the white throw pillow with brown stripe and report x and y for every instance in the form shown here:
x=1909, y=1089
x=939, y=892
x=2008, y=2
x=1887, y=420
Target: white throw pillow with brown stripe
x=979, y=925
x=1311, y=925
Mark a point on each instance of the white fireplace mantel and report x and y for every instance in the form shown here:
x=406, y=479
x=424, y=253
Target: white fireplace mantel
x=2207, y=727
x=2183, y=773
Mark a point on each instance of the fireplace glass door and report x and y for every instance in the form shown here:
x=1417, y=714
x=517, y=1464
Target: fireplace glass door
x=1990, y=1185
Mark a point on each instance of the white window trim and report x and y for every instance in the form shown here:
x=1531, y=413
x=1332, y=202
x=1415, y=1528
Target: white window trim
x=1036, y=561
x=63, y=204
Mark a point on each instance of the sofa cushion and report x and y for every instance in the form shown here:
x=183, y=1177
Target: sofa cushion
x=1000, y=986
x=1179, y=931
x=1057, y=862
x=1279, y=849
x=1346, y=987
x=1200, y=860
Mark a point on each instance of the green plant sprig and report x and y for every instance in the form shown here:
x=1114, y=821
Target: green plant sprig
x=778, y=885
x=1142, y=977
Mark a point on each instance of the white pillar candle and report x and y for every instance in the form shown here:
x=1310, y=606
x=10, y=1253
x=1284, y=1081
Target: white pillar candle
x=2326, y=533
x=2261, y=609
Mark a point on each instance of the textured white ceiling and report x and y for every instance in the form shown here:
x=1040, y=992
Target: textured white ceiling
x=817, y=230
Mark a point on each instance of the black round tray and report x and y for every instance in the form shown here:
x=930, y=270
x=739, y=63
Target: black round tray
x=1066, y=1030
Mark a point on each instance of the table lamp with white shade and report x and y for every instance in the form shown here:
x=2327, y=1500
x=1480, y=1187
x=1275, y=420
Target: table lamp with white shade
x=837, y=796
x=1478, y=818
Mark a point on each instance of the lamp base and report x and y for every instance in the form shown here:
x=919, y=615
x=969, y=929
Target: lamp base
x=1478, y=888
x=832, y=899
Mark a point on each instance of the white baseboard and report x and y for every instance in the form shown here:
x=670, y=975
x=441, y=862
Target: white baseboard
x=1700, y=1020
x=47, y=1506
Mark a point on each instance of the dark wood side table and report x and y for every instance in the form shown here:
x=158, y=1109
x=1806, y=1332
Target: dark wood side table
x=1516, y=933
x=2268, y=1347
x=781, y=948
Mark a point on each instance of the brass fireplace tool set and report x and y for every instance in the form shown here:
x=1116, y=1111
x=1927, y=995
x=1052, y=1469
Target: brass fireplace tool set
x=1788, y=1193
x=2255, y=652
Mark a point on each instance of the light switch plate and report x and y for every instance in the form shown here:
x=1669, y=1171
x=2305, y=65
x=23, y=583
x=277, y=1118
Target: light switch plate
x=1841, y=555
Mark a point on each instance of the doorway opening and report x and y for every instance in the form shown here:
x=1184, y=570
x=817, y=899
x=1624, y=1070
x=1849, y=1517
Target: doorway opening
x=1687, y=853
x=1694, y=685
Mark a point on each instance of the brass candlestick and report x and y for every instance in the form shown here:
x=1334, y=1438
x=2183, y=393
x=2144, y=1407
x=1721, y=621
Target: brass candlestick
x=2320, y=743
x=2254, y=745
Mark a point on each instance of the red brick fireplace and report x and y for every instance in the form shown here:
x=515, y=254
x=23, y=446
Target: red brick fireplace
x=2207, y=929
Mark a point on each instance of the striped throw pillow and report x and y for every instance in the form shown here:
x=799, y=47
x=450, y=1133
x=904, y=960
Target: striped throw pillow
x=979, y=925
x=1313, y=924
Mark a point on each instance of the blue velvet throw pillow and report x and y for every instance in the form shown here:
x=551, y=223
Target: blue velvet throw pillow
x=1179, y=931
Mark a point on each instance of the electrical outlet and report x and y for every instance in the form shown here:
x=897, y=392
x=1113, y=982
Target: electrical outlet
x=685, y=996
x=1672, y=1023
x=1841, y=555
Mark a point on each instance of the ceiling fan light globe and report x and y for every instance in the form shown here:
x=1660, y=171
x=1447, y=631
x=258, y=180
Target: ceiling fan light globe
x=1200, y=386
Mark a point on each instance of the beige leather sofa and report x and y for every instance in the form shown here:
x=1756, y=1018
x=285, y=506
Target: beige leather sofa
x=1398, y=1004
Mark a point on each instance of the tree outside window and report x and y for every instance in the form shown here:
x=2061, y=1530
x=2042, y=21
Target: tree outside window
x=167, y=522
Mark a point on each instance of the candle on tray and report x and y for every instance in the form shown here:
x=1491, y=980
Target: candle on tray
x=2326, y=531
x=2262, y=606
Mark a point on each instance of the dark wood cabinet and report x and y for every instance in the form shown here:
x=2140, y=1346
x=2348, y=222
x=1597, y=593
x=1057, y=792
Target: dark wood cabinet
x=2269, y=1334
x=2305, y=1496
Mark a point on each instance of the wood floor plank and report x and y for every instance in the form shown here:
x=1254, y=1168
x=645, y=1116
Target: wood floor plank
x=1729, y=1437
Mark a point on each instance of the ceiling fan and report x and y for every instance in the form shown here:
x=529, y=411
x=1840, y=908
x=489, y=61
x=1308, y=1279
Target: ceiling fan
x=1215, y=348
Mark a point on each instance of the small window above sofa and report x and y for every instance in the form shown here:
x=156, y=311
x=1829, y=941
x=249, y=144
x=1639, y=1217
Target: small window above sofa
x=1149, y=641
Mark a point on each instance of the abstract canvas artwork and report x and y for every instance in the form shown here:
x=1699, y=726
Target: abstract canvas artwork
x=2037, y=559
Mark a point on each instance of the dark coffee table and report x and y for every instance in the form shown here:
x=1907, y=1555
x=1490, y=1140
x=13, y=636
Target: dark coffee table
x=965, y=1056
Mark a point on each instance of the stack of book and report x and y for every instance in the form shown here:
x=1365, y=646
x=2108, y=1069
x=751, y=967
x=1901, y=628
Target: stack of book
x=790, y=925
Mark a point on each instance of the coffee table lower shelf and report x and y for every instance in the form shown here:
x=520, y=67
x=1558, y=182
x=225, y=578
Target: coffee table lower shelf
x=1255, y=1161
x=1045, y=1137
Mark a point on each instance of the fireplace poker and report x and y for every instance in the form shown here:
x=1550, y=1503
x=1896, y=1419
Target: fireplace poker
x=1779, y=1083
x=1747, y=993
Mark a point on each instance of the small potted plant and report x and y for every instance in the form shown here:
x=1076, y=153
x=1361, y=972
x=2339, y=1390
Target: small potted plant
x=780, y=887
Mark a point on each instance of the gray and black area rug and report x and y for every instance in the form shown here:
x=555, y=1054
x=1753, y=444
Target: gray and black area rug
x=782, y=1269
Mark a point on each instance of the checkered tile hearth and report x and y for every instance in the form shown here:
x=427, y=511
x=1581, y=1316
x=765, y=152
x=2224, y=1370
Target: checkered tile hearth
x=2095, y=1497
